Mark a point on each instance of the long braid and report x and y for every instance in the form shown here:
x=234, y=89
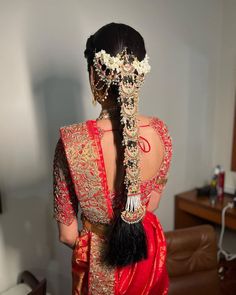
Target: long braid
x=127, y=239
x=124, y=73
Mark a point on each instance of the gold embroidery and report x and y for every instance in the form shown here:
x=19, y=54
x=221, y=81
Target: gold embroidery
x=101, y=276
x=65, y=199
x=161, y=181
x=86, y=171
x=100, y=229
x=83, y=157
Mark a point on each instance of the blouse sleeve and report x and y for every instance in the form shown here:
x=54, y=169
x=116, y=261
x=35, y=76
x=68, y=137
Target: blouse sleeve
x=65, y=199
x=162, y=129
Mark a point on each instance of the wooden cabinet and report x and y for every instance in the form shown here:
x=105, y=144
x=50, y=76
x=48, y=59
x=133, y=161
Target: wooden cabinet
x=191, y=210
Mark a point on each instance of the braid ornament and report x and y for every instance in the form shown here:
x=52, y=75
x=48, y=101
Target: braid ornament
x=126, y=71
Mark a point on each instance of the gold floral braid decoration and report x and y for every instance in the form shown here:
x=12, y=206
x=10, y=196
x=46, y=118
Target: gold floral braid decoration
x=126, y=71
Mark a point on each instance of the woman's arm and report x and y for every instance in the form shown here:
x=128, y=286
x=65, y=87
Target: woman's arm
x=65, y=199
x=154, y=201
x=68, y=233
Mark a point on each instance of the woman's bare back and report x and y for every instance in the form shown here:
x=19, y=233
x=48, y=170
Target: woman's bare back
x=151, y=153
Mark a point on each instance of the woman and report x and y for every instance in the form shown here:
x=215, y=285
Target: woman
x=115, y=168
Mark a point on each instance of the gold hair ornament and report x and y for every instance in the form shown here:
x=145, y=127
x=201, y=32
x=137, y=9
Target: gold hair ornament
x=126, y=71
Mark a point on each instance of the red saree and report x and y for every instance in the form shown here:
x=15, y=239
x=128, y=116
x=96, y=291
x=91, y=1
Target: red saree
x=80, y=178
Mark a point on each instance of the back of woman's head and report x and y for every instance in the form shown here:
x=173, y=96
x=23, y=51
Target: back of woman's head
x=113, y=38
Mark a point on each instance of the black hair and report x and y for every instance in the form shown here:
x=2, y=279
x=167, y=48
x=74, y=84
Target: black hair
x=113, y=38
x=126, y=243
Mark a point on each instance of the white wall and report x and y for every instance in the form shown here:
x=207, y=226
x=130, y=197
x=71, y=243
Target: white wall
x=44, y=86
x=225, y=106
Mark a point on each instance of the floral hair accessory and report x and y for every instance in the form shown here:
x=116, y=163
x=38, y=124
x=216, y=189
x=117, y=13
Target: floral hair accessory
x=111, y=69
x=128, y=73
x=114, y=62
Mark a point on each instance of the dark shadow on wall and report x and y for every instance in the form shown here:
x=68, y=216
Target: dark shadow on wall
x=58, y=102
x=50, y=42
x=29, y=230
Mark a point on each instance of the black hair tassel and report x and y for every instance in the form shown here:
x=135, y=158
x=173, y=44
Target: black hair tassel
x=126, y=243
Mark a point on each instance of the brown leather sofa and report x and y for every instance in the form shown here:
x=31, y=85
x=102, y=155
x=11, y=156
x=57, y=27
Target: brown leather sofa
x=192, y=261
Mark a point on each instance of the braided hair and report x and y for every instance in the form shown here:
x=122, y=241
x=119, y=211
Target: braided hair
x=126, y=239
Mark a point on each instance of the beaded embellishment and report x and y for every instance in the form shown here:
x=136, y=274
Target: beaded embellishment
x=128, y=73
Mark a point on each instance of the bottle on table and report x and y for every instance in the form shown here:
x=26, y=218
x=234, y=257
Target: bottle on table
x=220, y=184
x=213, y=190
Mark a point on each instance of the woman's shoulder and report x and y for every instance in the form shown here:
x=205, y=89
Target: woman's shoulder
x=74, y=131
x=74, y=126
x=159, y=126
x=154, y=121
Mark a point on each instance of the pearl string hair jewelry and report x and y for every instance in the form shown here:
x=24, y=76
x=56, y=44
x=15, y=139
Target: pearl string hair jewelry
x=128, y=73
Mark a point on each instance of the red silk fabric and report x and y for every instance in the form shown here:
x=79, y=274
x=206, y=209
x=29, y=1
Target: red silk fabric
x=147, y=277
x=80, y=264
